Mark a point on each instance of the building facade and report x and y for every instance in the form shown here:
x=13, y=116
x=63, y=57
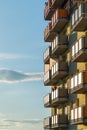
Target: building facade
x=65, y=64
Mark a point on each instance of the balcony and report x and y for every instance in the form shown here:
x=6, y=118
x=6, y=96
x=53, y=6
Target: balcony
x=79, y=0
x=59, y=96
x=56, y=121
x=59, y=45
x=49, y=10
x=79, y=18
x=58, y=3
x=79, y=50
x=50, y=7
x=79, y=83
x=59, y=121
x=56, y=97
x=79, y=115
x=59, y=19
x=47, y=123
x=47, y=55
x=47, y=100
x=59, y=71
x=47, y=78
x=49, y=34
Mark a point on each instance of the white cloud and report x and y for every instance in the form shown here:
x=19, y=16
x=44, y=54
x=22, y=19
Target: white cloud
x=13, y=124
x=6, y=56
x=11, y=56
x=12, y=76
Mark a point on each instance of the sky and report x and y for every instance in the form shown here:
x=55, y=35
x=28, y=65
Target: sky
x=22, y=46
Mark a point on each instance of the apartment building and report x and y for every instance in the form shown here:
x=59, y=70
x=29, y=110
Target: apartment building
x=65, y=64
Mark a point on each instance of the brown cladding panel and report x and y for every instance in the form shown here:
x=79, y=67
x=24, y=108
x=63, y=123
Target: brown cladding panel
x=85, y=112
x=84, y=77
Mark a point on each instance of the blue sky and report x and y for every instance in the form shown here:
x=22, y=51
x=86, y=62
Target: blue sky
x=21, y=65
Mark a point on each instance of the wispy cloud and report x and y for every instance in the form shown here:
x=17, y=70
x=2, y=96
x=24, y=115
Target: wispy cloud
x=12, y=76
x=6, y=123
x=29, y=121
x=10, y=56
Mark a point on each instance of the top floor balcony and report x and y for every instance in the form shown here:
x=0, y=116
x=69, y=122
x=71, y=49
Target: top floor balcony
x=79, y=18
x=58, y=3
x=51, y=6
x=79, y=0
x=49, y=10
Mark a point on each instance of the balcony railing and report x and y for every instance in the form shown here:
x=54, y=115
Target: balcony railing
x=79, y=0
x=49, y=10
x=59, y=121
x=47, y=55
x=79, y=50
x=56, y=97
x=79, y=83
x=47, y=123
x=47, y=78
x=47, y=100
x=79, y=18
x=48, y=34
x=59, y=96
x=79, y=115
x=58, y=3
x=59, y=20
x=50, y=7
x=59, y=71
x=56, y=121
x=59, y=45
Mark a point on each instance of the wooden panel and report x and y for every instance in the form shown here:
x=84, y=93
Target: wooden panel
x=85, y=77
x=85, y=112
x=62, y=13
